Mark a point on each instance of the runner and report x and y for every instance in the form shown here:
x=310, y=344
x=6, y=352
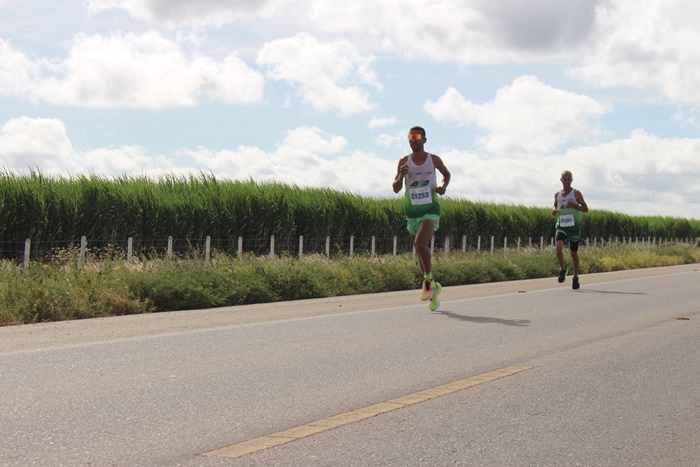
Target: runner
x=417, y=172
x=568, y=203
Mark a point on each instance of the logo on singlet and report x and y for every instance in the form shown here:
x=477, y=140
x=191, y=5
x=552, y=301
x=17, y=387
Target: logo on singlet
x=420, y=183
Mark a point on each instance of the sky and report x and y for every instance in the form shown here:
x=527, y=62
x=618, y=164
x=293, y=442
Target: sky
x=322, y=94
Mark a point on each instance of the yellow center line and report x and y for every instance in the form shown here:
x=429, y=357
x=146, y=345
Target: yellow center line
x=312, y=428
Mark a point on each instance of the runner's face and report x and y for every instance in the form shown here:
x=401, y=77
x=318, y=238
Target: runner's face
x=566, y=179
x=416, y=140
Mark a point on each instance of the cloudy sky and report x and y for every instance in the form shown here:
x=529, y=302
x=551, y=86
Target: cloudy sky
x=322, y=93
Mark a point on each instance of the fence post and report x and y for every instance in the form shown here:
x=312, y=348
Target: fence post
x=518, y=244
x=447, y=246
x=27, y=249
x=272, y=247
x=432, y=244
x=374, y=244
x=170, y=247
x=478, y=244
x=352, y=246
x=129, y=250
x=301, y=246
x=207, y=248
x=505, y=246
x=83, y=246
x=492, y=243
x=328, y=247
x=240, y=248
x=464, y=243
x=395, y=246
x=542, y=244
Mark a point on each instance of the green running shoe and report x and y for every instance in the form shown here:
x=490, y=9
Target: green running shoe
x=434, y=301
x=428, y=290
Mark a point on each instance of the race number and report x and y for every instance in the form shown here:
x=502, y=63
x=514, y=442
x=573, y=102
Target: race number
x=420, y=196
x=566, y=220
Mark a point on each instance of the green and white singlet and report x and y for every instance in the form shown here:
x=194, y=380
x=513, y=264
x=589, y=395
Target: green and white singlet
x=420, y=198
x=568, y=218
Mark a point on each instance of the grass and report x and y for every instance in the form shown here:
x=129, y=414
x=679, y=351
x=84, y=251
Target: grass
x=64, y=289
x=56, y=210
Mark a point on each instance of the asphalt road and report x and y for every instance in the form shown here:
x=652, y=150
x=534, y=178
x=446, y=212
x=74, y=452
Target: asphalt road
x=606, y=375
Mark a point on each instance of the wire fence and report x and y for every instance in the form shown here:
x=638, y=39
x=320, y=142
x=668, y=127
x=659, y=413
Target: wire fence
x=135, y=249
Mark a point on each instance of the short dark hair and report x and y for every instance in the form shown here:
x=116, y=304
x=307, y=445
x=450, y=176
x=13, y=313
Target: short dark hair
x=417, y=129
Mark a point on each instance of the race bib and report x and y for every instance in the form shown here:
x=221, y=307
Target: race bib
x=420, y=196
x=566, y=220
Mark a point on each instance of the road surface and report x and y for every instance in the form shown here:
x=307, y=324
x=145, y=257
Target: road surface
x=516, y=373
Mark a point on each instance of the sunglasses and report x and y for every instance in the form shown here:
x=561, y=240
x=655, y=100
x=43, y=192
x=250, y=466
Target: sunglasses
x=415, y=137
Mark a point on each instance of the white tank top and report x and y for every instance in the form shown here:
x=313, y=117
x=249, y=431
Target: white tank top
x=420, y=197
x=567, y=217
x=562, y=199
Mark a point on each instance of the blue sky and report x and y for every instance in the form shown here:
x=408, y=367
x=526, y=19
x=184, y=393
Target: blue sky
x=319, y=93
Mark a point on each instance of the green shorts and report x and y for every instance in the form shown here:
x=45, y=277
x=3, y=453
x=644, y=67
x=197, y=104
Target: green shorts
x=413, y=223
x=573, y=234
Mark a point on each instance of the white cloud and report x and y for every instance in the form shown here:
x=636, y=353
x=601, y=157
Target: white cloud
x=648, y=45
x=443, y=30
x=123, y=160
x=643, y=167
x=185, y=13
x=539, y=26
x=230, y=81
x=463, y=31
x=641, y=175
x=377, y=122
x=525, y=118
x=16, y=70
x=688, y=118
x=35, y=143
x=129, y=71
x=43, y=144
x=328, y=75
x=452, y=106
x=395, y=141
x=322, y=163
x=313, y=140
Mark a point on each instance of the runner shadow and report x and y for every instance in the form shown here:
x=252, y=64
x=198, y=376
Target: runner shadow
x=486, y=320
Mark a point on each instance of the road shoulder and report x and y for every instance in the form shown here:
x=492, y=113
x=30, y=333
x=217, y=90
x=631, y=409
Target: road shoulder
x=84, y=332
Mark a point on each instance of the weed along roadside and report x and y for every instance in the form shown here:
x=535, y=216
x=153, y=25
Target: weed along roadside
x=74, y=287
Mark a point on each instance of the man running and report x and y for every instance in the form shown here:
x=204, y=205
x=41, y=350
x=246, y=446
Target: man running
x=417, y=172
x=568, y=203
